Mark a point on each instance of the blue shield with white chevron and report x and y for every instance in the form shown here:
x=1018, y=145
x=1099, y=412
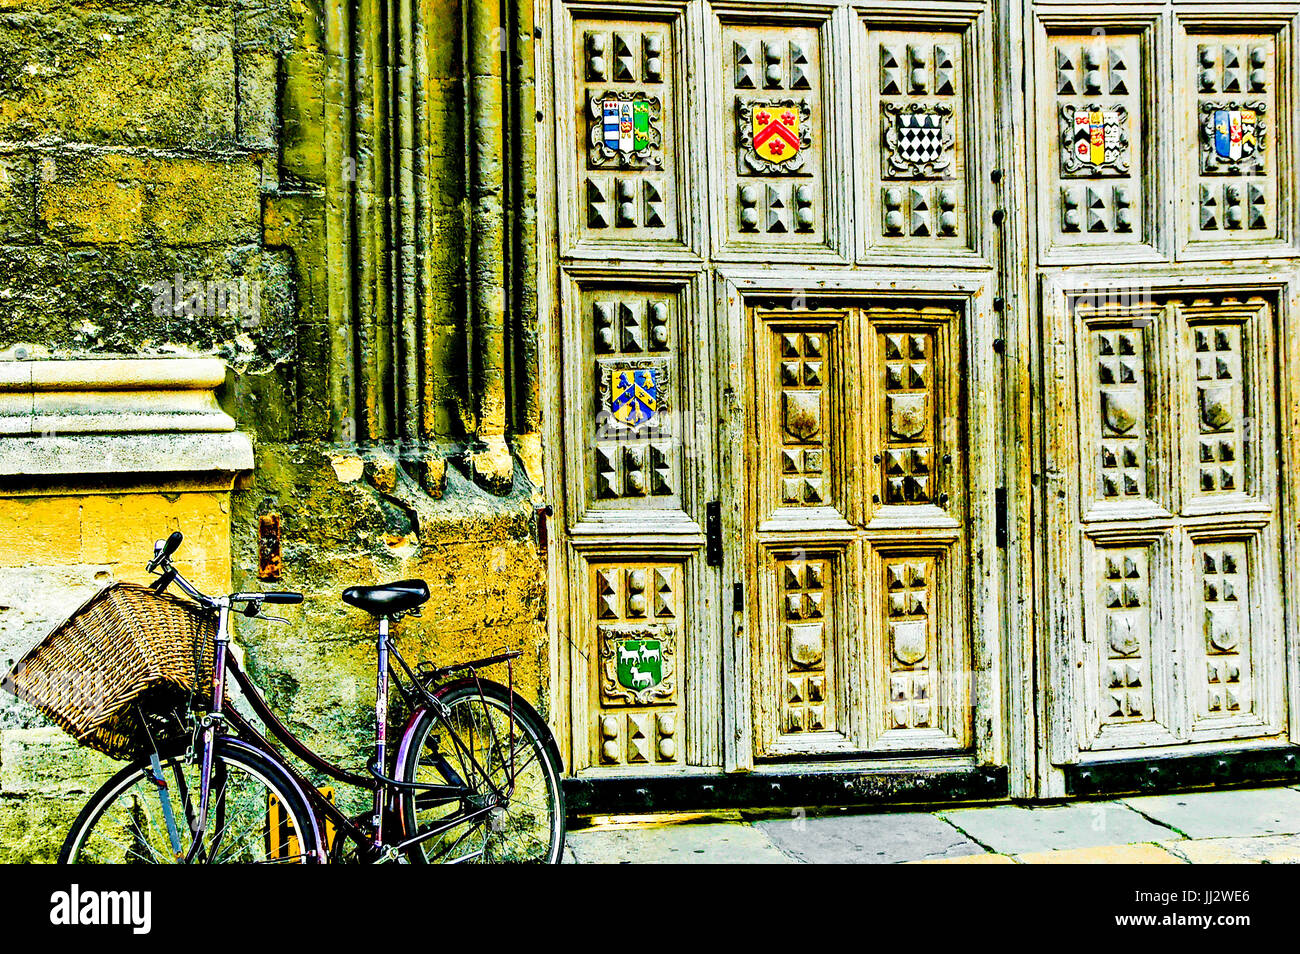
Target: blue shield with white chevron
x=610, y=111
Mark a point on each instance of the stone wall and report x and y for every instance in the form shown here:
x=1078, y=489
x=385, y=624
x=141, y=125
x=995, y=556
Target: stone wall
x=213, y=178
x=58, y=550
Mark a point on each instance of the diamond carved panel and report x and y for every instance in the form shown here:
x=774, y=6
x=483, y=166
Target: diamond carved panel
x=808, y=660
x=1121, y=396
x=802, y=370
x=1220, y=408
x=627, y=168
x=1233, y=183
x=909, y=417
x=910, y=643
x=915, y=425
x=635, y=648
x=1225, y=631
x=918, y=83
x=632, y=438
x=919, y=661
x=774, y=193
x=1125, y=612
x=1095, y=159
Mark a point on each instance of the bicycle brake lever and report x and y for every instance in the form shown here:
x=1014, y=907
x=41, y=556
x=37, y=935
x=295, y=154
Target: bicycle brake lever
x=274, y=619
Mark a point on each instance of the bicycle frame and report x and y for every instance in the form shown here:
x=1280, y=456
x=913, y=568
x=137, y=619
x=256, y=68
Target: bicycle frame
x=385, y=789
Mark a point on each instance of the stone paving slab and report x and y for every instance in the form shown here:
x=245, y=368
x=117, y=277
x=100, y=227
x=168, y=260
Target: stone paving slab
x=1015, y=829
x=1239, y=813
x=1105, y=855
x=987, y=858
x=1267, y=849
x=886, y=838
x=709, y=843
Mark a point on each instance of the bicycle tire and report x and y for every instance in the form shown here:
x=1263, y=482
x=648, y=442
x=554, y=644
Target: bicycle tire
x=538, y=738
x=229, y=753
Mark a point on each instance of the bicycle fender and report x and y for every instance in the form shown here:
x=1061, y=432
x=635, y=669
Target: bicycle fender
x=519, y=702
x=238, y=743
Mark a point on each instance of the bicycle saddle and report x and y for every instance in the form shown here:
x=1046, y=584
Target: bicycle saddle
x=399, y=597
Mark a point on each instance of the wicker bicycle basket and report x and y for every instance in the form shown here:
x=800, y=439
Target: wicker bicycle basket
x=115, y=667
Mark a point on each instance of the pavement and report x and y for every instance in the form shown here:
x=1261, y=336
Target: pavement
x=1242, y=826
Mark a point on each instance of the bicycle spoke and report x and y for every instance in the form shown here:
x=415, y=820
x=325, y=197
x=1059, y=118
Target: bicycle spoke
x=127, y=826
x=480, y=739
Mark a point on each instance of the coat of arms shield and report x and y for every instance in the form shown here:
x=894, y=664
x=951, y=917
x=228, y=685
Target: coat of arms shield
x=1233, y=137
x=1234, y=134
x=919, y=137
x=634, y=396
x=640, y=664
x=776, y=133
x=775, y=136
x=1095, y=140
x=626, y=124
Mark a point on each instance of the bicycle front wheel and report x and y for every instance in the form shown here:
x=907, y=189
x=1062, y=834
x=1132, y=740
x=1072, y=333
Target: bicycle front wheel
x=255, y=815
x=498, y=747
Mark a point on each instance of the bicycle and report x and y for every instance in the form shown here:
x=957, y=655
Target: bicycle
x=474, y=777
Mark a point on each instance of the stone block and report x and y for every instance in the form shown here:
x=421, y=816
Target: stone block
x=150, y=75
x=133, y=199
x=17, y=200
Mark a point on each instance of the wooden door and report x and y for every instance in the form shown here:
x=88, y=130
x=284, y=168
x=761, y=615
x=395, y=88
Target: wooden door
x=772, y=267
x=1168, y=378
x=859, y=534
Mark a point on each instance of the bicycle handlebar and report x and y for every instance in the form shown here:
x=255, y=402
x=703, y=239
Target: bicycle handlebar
x=163, y=549
x=162, y=553
x=270, y=596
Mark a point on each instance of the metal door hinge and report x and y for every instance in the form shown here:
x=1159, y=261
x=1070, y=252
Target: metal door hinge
x=1000, y=520
x=713, y=533
x=269, y=563
x=542, y=511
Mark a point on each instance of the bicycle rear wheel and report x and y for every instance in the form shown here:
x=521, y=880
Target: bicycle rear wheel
x=255, y=815
x=473, y=745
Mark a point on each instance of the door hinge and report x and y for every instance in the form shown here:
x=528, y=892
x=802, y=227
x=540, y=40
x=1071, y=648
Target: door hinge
x=1000, y=518
x=713, y=533
x=541, y=512
x=738, y=597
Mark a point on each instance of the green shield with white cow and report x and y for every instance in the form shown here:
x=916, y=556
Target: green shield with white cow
x=640, y=663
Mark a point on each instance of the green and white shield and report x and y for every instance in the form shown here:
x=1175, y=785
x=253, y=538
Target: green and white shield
x=640, y=663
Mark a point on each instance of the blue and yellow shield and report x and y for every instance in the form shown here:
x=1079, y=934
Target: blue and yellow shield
x=634, y=396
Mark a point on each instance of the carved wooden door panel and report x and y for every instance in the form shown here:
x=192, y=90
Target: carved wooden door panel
x=862, y=641
x=1167, y=372
x=861, y=634
x=1181, y=634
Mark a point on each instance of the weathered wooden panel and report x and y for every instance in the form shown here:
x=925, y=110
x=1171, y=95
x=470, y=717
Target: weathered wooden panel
x=805, y=664
x=625, y=123
x=872, y=393
x=1178, y=516
x=776, y=159
x=1094, y=183
x=922, y=138
x=634, y=644
x=804, y=421
x=1230, y=191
